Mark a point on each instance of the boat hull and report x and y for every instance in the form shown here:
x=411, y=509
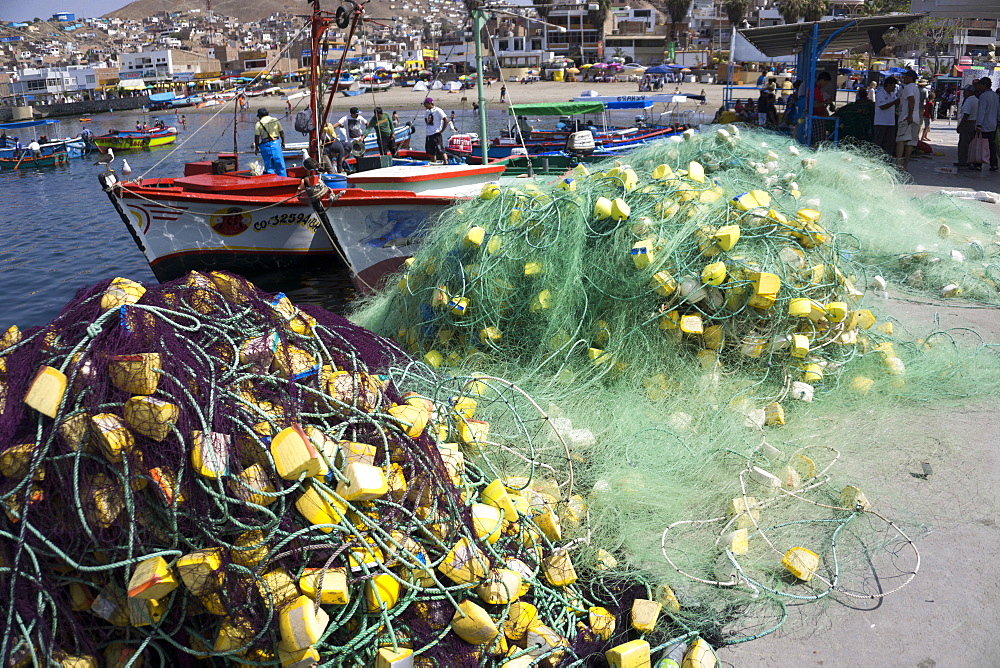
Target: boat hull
x=374, y=87
x=134, y=141
x=60, y=158
x=375, y=230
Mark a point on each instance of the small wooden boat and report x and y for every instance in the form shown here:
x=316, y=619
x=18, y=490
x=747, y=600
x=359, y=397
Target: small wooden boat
x=86, y=120
x=124, y=140
x=25, y=161
x=374, y=85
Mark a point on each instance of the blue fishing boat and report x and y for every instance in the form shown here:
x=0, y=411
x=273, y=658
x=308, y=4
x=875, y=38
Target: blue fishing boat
x=74, y=147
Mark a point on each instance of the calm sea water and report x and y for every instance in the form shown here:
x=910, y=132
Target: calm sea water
x=60, y=232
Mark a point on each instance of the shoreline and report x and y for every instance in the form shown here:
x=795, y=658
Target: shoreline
x=404, y=99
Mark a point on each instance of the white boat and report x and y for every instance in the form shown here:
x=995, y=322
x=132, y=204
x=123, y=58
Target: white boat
x=665, y=98
x=374, y=86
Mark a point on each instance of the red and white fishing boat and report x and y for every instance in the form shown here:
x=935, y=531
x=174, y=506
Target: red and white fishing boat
x=216, y=216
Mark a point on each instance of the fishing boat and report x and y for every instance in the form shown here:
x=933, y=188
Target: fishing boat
x=220, y=215
x=606, y=137
x=27, y=160
x=372, y=84
x=123, y=140
x=345, y=81
x=75, y=146
x=655, y=98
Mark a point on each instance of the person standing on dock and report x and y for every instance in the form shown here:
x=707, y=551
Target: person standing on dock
x=986, y=117
x=884, y=127
x=437, y=122
x=503, y=94
x=966, y=128
x=908, y=126
x=269, y=140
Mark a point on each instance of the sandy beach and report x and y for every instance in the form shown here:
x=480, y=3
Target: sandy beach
x=404, y=99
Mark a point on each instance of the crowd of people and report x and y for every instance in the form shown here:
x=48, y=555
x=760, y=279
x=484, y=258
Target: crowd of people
x=978, y=119
x=346, y=136
x=896, y=112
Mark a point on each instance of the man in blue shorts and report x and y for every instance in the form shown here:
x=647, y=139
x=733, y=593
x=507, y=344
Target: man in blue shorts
x=269, y=140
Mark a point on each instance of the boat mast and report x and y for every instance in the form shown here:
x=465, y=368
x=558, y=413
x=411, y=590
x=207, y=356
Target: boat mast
x=475, y=7
x=318, y=28
x=344, y=19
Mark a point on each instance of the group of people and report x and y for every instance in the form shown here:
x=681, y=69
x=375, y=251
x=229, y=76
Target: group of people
x=338, y=138
x=901, y=109
x=650, y=84
x=141, y=126
x=33, y=149
x=979, y=115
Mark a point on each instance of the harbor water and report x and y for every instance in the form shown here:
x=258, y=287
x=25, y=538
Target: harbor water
x=61, y=233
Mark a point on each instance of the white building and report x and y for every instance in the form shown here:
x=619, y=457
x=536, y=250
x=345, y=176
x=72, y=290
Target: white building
x=137, y=70
x=54, y=83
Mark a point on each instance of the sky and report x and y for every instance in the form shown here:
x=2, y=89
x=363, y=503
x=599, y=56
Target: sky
x=25, y=10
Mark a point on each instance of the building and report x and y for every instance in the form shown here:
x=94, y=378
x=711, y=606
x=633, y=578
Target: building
x=638, y=34
x=55, y=84
x=143, y=69
x=572, y=32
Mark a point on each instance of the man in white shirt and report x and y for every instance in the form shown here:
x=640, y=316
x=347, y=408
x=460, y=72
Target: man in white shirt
x=352, y=126
x=886, y=102
x=967, y=124
x=908, y=126
x=986, y=117
x=436, y=122
x=35, y=148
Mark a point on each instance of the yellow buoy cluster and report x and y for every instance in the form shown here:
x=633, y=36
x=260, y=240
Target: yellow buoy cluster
x=206, y=461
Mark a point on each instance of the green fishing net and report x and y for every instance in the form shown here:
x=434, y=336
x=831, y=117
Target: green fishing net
x=702, y=328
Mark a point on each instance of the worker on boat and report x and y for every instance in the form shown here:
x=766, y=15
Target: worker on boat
x=437, y=122
x=269, y=141
x=353, y=125
x=35, y=148
x=524, y=127
x=334, y=150
x=384, y=130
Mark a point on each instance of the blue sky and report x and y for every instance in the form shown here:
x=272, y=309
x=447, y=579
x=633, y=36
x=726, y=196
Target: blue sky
x=22, y=10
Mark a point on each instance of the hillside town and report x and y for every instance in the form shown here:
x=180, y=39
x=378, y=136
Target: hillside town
x=70, y=58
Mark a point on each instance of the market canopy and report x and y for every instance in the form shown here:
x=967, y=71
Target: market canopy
x=132, y=84
x=843, y=34
x=556, y=109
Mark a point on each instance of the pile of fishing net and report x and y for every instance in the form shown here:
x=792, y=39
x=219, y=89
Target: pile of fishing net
x=695, y=325
x=202, y=470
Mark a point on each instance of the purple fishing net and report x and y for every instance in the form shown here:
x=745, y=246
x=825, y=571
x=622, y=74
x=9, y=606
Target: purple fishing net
x=174, y=500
